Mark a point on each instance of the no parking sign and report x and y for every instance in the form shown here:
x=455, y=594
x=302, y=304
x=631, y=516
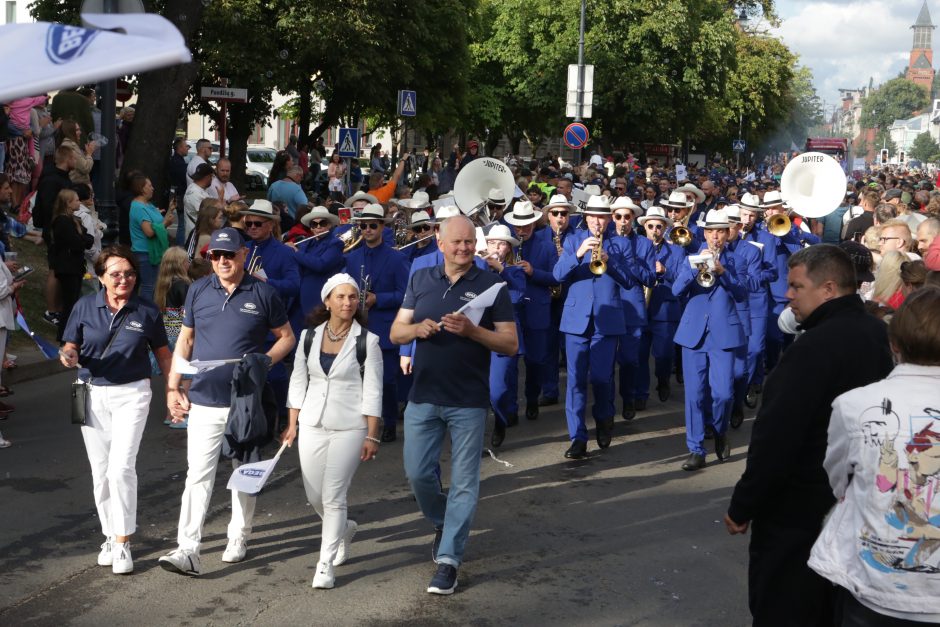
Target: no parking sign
x=576, y=135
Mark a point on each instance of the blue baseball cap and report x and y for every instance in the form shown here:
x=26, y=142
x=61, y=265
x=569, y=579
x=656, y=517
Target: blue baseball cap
x=227, y=239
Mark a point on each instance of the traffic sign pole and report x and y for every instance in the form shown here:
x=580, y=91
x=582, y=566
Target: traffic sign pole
x=580, y=110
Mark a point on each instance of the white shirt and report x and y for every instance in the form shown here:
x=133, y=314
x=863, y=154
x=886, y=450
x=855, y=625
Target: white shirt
x=191, y=168
x=231, y=194
x=191, y=201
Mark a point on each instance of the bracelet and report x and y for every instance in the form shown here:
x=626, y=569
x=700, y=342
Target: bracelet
x=371, y=439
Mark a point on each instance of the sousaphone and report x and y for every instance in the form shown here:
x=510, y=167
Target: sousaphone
x=473, y=185
x=813, y=184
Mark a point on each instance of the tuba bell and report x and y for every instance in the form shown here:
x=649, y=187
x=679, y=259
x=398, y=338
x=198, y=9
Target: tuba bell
x=778, y=224
x=474, y=182
x=680, y=236
x=813, y=184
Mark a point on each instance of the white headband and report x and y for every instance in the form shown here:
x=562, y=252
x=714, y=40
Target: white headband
x=337, y=279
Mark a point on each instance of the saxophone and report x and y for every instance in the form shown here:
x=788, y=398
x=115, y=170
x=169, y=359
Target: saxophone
x=555, y=290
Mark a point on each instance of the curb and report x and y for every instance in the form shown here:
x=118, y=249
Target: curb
x=33, y=370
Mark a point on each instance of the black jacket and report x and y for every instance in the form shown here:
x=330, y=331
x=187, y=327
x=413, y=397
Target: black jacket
x=252, y=410
x=51, y=182
x=69, y=241
x=784, y=482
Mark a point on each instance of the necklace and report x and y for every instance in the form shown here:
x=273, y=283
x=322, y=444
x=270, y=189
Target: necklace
x=336, y=337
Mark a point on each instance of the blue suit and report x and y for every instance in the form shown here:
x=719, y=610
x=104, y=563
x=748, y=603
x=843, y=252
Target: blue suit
x=640, y=266
x=318, y=260
x=387, y=270
x=536, y=312
x=749, y=272
x=553, y=339
x=414, y=252
x=760, y=300
x=592, y=321
x=709, y=332
x=663, y=314
x=504, y=369
x=388, y=233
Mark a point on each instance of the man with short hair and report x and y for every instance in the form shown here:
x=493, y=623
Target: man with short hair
x=857, y=226
x=197, y=191
x=884, y=212
x=203, y=152
x=895, y=235
x=926, y=233
x=451, y=388
x=784, y=490
x=564, y=188
x=223, y=180
x=289, y=191
x=227, y=315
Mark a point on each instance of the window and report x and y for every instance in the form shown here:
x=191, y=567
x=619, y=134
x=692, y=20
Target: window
x=11, y=12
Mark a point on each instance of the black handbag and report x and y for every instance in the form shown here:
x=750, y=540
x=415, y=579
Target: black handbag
x=81, y=391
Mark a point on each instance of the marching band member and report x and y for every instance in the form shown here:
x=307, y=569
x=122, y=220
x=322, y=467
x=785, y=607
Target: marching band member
x=592, y=321
x=640, y=262
x=759, y=300
x=537, y=259
x=678, y=208
x=559, y=228
x=423, y=240
x=663, y=309
x=504, y=369
x=708, y=333
x=383, y=274
x=319, y=257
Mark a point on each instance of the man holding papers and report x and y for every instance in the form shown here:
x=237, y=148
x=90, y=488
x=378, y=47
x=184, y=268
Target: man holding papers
x=227, y=314
x=451, y=386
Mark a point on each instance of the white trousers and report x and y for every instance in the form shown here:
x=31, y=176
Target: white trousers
x=205, y=432
x=112, y=433
x=328, y=461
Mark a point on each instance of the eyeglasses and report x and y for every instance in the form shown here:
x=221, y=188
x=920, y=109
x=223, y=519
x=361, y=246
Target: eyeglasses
x=370, y=225
x=215, y=255
x=421, y=228
x=622, y=216
x=887, y=239
x=127, y=276
x=316, y=224
x=252, y=224
x=558, y=214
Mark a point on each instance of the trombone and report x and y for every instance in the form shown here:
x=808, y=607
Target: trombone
x=680, y=236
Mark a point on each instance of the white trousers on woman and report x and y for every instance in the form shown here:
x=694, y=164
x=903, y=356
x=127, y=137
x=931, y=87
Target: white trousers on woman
x=204, y=433
x=112, y=432
x=328, y=461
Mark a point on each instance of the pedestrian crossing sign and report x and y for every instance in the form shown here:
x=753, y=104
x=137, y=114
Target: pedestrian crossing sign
x=349, y=142
x=737, y=145
x=407, y=103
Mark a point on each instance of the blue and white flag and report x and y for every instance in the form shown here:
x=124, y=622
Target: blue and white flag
x=40, y=57
x=250, y=478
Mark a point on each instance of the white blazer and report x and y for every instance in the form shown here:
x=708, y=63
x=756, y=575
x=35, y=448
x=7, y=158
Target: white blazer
x=7, y=302
x=341, y=399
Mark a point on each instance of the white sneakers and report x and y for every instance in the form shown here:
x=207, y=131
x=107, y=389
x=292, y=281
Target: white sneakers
x=235, y=551
x=105, y=556
x=181, y=561
x=343, y=551
x=324, y=579
x=121, y=561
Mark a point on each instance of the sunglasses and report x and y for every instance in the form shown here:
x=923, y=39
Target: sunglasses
x=215, y=255
x=421, y=228
x=252, y=224
x=655, y=226
x=370, y=225
x=558, y=214
x=622, y=216
x=316, y=224
x=673, y=210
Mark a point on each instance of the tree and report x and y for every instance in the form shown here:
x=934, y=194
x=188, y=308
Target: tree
x=923, y=148
x=896, y=99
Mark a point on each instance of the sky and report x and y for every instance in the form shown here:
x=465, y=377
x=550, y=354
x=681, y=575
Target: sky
x=846, y=42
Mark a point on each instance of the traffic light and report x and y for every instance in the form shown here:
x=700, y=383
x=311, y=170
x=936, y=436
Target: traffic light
x=900, y=156
x=884, y=156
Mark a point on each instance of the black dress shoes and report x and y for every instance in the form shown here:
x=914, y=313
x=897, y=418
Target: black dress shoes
x=512, y=420
x=629, y=410
x=694, y=462
x=577, y=450
x=499, y=434
x=605, y=432
x=640, y=404
x=664, y=391
x=389, y=434
x=545, y=401
x=737, y=416
x=722, y=448
x=750, y=399
x=531, y=411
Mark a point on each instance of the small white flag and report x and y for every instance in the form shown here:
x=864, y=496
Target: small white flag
x=475, y=308
x=181, y=366
x=250, y=478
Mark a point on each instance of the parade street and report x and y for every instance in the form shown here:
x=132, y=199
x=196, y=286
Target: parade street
x=622, y=538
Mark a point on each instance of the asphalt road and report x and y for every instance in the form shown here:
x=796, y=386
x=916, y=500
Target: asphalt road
x=624, y=537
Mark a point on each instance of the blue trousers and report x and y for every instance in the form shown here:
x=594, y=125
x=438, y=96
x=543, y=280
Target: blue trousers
x=553, y=345
x=777, y=340
x=706, y=371
x=590, y=358
x=504, y=385
x=740, y=375
x=628, y=358
x=756, y=342
x=658, y=339
x=148, y=275
x=536, y=361
x=425, y=428
x=390, y=370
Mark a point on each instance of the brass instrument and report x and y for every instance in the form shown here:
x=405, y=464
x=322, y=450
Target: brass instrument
x=351, y=239
x=598, y=266
x=680, y=236
x=778, y=224
x=416, y=241
x=706, y=278
x=519, y=259
x=400, y=225
x=365, y=284
x=555, y=290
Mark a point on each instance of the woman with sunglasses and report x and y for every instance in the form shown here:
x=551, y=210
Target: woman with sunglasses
x=319, y=257
x=108, y=335
x=422, y=241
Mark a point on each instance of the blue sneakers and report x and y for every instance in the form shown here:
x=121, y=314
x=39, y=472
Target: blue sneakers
x=444, y=581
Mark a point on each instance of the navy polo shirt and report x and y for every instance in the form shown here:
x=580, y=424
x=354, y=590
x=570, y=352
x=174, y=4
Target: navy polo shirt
x=228, y=327
x=136, y=326
x=448, y=369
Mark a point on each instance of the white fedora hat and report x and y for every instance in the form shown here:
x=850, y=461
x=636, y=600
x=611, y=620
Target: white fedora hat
x=559, y=200
x=688, y=188
x=597, y=205
x=261, y=208
x=715, y=219
x=592, y=190
x=771, y=199
x=751, y=202
x=655, y=213
x=319, y=213
x=501, y=232
x=420, y=217
x=676, y=200
x=374, y=211
x=447, y=211
x=734, y=213
x=624, y=202
x=420, y=200
x=522, y=214
x=360, y=195
x=496, y=196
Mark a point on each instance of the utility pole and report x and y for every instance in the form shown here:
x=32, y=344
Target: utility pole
x=580, y=110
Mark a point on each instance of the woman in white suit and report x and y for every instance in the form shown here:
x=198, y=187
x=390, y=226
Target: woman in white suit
x=334, y=403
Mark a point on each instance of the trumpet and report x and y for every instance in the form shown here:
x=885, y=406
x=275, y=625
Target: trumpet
x=778, y=224
x=706, y=278
x=365, y=284
x=351, y=239
x=598, y=266
x=680, y=236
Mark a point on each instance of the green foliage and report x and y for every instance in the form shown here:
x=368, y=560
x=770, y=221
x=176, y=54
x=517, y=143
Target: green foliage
x=896, y=99
x=923, y=148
